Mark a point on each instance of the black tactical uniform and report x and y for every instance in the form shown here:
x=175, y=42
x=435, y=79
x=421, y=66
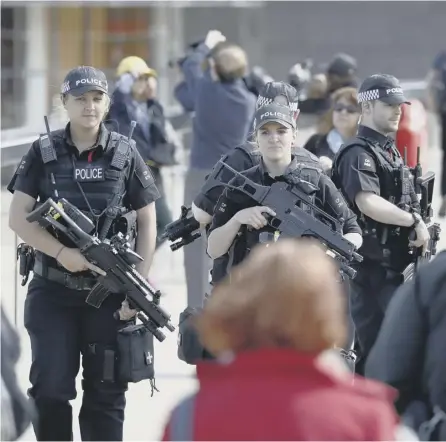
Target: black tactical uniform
x=241, y=158
x=410, y=351
x=231, y=201
x=60, y=324
x=326, y=197
x=370, y=162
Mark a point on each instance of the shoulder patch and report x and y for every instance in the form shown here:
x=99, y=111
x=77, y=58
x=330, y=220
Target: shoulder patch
x=144, y=176
x=24, y=165
x=366, y=163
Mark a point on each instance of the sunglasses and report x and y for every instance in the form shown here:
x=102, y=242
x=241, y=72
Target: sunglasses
x=351, y=108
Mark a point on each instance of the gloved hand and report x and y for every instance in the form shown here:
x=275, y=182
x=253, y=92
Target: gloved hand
x=326, y=163
x=214, y=37
x=125, y=312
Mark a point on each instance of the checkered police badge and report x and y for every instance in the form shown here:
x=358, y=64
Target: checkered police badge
x=264, y=101
x=368, y=95
x=65, y=87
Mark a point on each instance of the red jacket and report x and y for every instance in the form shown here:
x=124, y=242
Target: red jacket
x=280, y=395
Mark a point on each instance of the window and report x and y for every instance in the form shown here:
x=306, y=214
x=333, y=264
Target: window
x=13, y=67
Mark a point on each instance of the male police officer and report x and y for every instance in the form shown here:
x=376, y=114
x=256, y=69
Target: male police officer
x=367, y=171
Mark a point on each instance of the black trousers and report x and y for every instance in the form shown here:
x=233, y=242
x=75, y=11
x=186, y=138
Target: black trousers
x=370, y=294
x=61, y=327
x=443, y=147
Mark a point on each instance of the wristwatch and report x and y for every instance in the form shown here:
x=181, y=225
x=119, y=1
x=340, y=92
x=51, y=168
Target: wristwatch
x=416, y=219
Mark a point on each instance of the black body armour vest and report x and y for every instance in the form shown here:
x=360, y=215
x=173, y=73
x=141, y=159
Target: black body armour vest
x=306, y=179
x=250, y=150
x=100, y=180
x=387, y=244
x=92, y=186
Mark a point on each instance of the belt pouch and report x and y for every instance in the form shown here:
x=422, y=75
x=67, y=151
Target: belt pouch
x=135, y=354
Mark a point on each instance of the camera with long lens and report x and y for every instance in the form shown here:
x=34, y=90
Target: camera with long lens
x=256, y=79
x=178, y=61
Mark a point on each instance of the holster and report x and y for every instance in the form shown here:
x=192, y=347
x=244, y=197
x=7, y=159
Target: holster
x=135, y=354
x=26, y=256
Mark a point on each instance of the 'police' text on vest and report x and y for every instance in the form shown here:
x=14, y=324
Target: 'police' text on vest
x=89, y=174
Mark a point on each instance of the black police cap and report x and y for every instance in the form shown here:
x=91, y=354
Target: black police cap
x=274, y=113
x=382, y=87
x=274, y=89
x=84, y=79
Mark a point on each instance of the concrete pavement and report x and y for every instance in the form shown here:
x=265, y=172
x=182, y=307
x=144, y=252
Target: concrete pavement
x=145, y=416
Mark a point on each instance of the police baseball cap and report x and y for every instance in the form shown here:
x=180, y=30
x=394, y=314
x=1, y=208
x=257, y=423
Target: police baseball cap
x=274, y=113
x=84, y=79
x=273, y=89
x=382, y=87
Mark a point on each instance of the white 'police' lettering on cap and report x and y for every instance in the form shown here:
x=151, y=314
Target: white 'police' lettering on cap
x=394, y=91
x=93, y=81
x=274, y=115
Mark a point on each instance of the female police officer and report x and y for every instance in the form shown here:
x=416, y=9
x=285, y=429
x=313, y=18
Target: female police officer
x=87, y=165
x=276, y=131
x=246, y=156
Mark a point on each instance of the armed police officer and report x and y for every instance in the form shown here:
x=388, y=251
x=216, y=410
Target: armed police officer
x=368, y=172
x=238, y=220
x=240, y=158
x=102, y=174
x=245, y=157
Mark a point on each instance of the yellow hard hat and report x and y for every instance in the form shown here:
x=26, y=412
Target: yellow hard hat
x=134, y=65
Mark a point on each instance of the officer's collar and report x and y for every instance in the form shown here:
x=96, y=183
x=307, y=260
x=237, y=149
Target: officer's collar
x=367, y=132
x=291, y=167
x=101, y=141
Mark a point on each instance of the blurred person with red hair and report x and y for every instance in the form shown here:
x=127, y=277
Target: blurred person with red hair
x=272, y=324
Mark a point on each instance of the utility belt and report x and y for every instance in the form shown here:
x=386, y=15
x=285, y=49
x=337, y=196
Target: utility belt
x=387, y=245
x=61, y=276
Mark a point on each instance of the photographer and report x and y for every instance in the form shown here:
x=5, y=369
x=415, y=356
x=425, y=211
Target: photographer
x=224, y=109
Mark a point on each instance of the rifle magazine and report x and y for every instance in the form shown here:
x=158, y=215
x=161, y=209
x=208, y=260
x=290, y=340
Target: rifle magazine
x=97, y=295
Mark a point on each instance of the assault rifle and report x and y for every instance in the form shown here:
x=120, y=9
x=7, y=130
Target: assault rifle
x=114, y=256
x=417, y=191
x=424, y=189
x=291, y=220
x=185, y=228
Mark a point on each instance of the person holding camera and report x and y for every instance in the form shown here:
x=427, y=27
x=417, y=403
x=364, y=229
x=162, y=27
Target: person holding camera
x=223, y=108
